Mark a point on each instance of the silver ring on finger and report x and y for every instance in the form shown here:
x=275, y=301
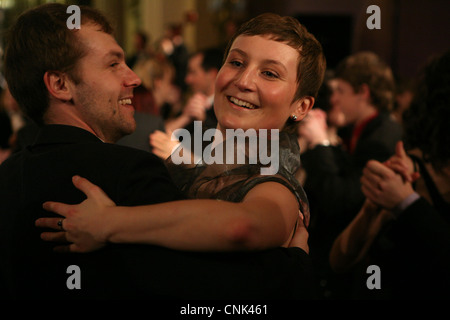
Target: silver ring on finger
x=60, y=224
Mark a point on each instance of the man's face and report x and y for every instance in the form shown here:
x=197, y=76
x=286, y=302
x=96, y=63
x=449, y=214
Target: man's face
x=197, y=78
x=335, y=116
x=103, y=95
x=345, y=99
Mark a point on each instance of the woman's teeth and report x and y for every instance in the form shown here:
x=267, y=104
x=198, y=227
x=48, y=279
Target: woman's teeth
x=242, y=103
x=125, y=101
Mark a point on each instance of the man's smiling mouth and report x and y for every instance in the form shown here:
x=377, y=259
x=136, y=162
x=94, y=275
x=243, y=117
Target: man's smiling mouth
x=125, y=101
x=242, y=103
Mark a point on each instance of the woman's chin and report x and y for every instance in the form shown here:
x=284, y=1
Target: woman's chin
x=234, y=125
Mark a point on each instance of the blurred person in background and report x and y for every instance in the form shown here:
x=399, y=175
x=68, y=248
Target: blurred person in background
x=202, y=72
x=152, y=99
x=364, y=93
x=404, y=93
x=5, y=134
x=404, y=226
x=175, y=50
x=141, y=49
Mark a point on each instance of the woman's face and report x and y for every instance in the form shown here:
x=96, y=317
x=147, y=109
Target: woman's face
x=256, y=85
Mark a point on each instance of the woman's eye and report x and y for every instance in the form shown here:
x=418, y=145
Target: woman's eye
x=114, y=64
x=236, y=63
x=270, y=74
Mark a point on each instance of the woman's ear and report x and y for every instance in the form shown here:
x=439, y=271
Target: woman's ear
x=57, y=84
x=301, y=107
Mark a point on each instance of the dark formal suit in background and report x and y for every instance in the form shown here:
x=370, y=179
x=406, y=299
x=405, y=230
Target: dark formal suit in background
x=145, y=125
x=334, y=189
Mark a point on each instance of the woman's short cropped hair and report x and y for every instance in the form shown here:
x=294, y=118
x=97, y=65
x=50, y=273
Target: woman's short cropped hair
x=311, y=63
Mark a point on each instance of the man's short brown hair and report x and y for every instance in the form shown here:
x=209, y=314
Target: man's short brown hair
x=40, y=41
x=367, y=68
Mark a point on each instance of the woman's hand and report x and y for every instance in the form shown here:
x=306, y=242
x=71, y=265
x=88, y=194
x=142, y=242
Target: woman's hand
x=84, y=223
x=402, y=164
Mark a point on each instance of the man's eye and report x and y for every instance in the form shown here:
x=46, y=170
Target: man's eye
x=114, y=64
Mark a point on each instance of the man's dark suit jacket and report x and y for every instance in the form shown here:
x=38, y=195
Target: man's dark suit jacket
x=5, y=130
x=333, y=175
x=30, y=269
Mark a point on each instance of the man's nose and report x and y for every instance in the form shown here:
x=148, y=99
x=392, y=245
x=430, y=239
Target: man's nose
x=132, y=80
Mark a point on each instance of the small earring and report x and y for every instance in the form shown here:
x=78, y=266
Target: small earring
x=293, y=117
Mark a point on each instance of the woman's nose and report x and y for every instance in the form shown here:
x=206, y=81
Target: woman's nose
x=245, y=80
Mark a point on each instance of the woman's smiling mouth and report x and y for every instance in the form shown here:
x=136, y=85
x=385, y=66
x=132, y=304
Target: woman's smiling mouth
x=242, y=103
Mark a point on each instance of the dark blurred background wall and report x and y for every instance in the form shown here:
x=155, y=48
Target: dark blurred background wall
x=411, y=30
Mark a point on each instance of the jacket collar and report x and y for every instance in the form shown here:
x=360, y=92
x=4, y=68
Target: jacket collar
x=56, y=134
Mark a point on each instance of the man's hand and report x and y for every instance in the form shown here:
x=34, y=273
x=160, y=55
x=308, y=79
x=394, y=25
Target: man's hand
x=383, y=186
x=313, y=128
x=196, y=107
x=402, y=164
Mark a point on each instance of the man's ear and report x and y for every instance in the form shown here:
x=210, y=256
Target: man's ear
x=302, y=106
x=157, y=83
x=57, y=84
x=364, y=92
